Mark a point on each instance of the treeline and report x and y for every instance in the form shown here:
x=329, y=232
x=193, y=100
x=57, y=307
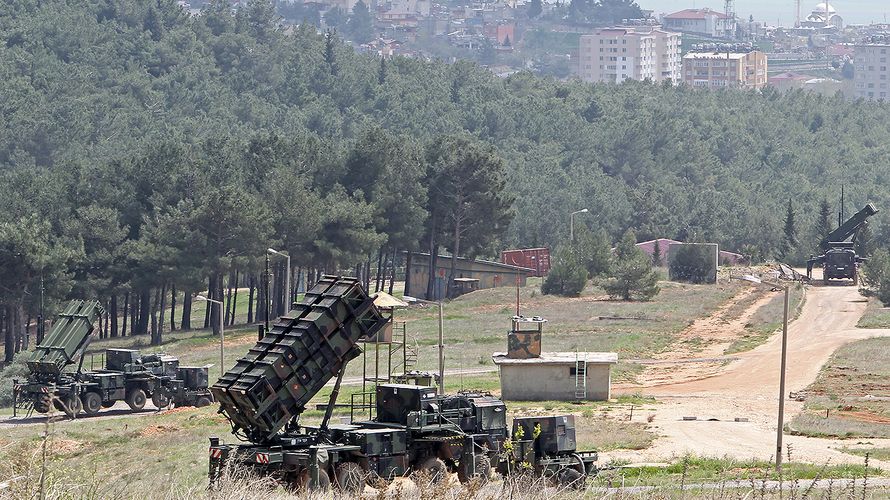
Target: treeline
x=144, y=149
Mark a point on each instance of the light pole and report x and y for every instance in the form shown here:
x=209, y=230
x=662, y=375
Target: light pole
x=221, y=334
x=753, y=279
x=441, y=340
x=572, y=222
x=287, y=293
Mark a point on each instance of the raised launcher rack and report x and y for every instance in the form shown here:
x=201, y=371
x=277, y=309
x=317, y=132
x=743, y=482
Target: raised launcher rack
x=276, y=379
x=67, y=339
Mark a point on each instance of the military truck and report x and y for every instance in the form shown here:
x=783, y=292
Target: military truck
x=53, y=380
x=839, y=260
x=413, y=429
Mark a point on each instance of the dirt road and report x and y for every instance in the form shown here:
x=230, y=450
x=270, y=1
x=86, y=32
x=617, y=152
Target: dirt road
x=747, y=388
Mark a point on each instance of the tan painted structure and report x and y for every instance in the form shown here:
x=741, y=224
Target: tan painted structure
x=551, y=377
x=489, y=274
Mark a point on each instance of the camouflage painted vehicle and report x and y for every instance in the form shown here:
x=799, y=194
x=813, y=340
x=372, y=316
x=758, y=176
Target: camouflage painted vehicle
x=413, y=429
x=127, y=375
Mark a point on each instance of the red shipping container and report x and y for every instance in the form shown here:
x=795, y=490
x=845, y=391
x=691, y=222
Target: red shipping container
x=529, y=258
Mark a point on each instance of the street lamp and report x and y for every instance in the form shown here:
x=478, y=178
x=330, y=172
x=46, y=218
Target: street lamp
x=221, y=335
x=441, y=340
x=753, y=279
x=572, y=222
x=287, y=292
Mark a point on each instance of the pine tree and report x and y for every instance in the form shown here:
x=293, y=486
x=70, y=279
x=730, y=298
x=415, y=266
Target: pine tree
x=823, y=223
x=865, y=242
x=633, y=276
x=330, y=56
x=789, y=241
x=381, y=73
x=656, y=253
x=535, y=7
x=361, y=24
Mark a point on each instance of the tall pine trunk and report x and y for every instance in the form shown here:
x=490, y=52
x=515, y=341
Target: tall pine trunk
x=234, y=300
x=112, y=313
x=144, y=310
x=251, y=282
x=8, y=337
x=126, y=314
x=186, y=323
x=211, y=288
x=153, y=315
x=172, y=307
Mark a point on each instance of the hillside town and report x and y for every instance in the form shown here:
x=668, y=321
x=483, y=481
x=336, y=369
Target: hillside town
x=704, y=47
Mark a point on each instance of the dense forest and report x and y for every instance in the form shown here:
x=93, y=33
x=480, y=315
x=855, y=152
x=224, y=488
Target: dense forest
x=148, y=154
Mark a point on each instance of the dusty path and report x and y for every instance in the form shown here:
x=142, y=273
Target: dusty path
x=698, y=351
x=748, y=388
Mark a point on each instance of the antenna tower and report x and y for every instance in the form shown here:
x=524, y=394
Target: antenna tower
x=797, y=14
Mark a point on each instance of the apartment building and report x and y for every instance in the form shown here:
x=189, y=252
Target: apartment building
x=715, y=70
x=701, y=21
x=630, y=53
x=870, y=65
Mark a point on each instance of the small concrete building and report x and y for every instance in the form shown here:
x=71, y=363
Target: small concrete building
x=551, y=377
x=529, y=374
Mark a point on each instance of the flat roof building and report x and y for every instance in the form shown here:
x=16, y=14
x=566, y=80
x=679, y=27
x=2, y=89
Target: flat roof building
x=871, y=76
x=714, y=70
x=701, y=21
x=630, y=53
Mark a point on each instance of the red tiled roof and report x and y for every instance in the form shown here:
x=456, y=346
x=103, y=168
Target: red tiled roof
x=695, y=14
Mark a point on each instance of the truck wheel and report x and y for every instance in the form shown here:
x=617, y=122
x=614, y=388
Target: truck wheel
x=160, y=399
x=92, y=402
x=350, y=478
x=72, y=406
x=108, y=404
x=43, y=403
x=136, y=399
x=570, y=478
x=435, y=468
x=203, y=401
x=482, y=467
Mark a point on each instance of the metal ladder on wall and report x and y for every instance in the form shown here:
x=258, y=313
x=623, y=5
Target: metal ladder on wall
x=580, y=377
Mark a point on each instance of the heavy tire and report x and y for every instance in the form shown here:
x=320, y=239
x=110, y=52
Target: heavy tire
x=570, y=478
x=482, y=466
x=324, y=481
x=136, y=399
x=436, y=469
x=92, y=402
x=108, y=404
x=43, y=403
x=161, y=399
x=203, y=401
x=72, y=406
x=350, y=478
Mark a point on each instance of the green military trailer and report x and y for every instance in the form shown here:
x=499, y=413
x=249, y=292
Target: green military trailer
x=413, y=429
x=54, y=382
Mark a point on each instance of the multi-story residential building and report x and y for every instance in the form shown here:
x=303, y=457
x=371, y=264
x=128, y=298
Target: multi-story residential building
x=702, y=21
x=725, y=69
x=870, y=63
x=630, y=53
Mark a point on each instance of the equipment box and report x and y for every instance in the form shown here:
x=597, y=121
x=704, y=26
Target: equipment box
x=108, y=381
x=379, y=441
x=557, y=432
x=194, y=377
x=118, y=359
x=396, y=401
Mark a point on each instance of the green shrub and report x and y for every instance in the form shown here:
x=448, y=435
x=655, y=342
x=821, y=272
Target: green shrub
x=633, y=276
x=693, y=263
x=567, y=276
x=876, y=276
x=17, y=369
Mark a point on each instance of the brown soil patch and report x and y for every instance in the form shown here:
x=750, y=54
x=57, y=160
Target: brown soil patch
x=178, y=409
x=65, y=446
x=706, y=337
x=157, y=430
x=864, y=416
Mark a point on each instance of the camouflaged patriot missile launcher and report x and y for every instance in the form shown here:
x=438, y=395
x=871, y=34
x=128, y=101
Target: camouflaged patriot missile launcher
x=415, y=429
x=126, y=375
x=272, y=384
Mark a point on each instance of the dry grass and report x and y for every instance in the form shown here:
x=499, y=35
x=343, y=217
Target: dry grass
x=875, y=316
x=849, y=398
x=768, y=319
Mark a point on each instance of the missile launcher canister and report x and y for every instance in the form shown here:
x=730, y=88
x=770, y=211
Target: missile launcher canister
x=272, y=384
x=67, y=339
